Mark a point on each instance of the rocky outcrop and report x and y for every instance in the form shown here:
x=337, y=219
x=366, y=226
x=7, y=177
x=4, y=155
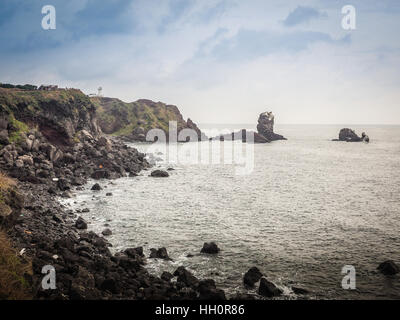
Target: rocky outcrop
x=133, y=120
x=244, y=136
x=268, y=289
x=349, y=135
x=160, y=253
x=265, y=132
x=210, y=248
x=252, y=276
x=159, y=174
x=265, y=127
x=389, y=268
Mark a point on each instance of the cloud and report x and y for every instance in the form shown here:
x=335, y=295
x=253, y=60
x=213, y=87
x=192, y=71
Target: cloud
x=302, y=14
x=212, y=57
x=251, y=44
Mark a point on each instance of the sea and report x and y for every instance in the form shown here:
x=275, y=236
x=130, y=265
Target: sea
x=309, y=212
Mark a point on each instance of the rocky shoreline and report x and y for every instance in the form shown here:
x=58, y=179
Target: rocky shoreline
x=49, y=234
x=51, y=145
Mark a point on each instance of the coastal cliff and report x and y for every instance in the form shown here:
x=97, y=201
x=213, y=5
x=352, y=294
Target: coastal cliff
x=133, y=120
x=51, y=144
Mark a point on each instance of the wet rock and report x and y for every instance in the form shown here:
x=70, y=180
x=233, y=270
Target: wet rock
x=160, y=174
x=67, y=194
x=109, y=194
x=210, y=247
x=389, y=267
x=133, y=252
x=160, y=253
x=166, y=276
x=186, y=277
x=252, y=276
x=208, y=290
x=106, y=232
x=96, y=187
x=63, y=185
x=80, y=224
x=268, y=289
x=128, y=263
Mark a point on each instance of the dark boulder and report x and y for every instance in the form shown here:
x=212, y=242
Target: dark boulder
x=63, y=185
x=133, y=252
x=389, y=268
x=166, y=276
x=252, y=276
x=106, y=232
x=349, y=135
x=186, y=277
x=160, y=174
x=80, y=223
x=110, y=285
x=208, y=291
x=268, y=289
x=210, y=247
x=160, y=253
x=96, y=187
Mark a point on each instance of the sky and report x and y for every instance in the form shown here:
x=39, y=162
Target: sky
x=219, y=61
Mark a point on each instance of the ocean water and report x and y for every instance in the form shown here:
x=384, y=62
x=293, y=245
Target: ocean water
x=309, y=207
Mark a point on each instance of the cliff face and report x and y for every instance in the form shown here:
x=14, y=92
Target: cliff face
x=46, y=135
x=133, y=120
x=58, y=115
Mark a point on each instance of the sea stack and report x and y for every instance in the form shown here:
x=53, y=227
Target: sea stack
x=349, y=135
x=265, y=132
x=265, y=127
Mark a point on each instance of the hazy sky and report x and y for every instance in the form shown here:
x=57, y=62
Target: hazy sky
x=219, y=61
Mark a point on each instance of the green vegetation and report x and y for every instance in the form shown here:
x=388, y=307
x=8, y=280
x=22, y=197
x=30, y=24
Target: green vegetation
x=18, y=86
x=23, y=108
x=119, y=118
x=13, y=284
x=19, y=128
